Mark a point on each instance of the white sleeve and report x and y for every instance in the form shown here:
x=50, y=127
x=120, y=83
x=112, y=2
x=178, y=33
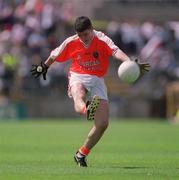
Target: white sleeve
x=59, y=49
x=100, y=35
x=55, y=52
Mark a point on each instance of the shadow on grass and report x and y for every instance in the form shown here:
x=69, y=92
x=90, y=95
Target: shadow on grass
x=134, y=167
x=130, y=167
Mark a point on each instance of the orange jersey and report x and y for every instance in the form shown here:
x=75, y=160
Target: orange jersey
x=91, y=60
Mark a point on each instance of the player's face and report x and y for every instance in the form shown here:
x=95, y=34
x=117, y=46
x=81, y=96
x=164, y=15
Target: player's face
x=86, y=36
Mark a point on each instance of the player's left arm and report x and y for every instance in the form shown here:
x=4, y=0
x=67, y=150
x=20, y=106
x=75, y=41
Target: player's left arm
x=120, y=55
x=144, y=67
x=117, y=53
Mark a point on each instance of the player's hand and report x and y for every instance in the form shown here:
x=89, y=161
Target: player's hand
x=38, y=70
x=144, y=67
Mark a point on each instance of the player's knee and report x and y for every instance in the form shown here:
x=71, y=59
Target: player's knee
x=78, y=109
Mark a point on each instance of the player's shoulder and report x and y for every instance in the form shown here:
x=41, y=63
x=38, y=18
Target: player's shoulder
x=102, y=37
x=71, y=39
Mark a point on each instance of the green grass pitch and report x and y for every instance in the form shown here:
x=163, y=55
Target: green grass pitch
x=129, y=150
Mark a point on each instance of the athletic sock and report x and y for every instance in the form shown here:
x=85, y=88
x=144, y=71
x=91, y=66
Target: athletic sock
x=83, y=151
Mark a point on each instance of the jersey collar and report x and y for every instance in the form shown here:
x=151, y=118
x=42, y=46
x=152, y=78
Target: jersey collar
x=86, y=46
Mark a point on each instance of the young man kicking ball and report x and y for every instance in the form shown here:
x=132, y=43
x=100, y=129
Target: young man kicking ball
x=89, y=51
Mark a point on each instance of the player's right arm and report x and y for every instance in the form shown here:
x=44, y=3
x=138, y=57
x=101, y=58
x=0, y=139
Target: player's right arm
x=49, y=61
x=59, y=54
x=42, y=68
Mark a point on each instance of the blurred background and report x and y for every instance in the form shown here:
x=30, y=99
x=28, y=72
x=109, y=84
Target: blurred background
x=30, y=29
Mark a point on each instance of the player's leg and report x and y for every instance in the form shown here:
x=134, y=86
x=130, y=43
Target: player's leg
x=100, y=110
x=100, y=125
x=78, y=93
x=101, y=117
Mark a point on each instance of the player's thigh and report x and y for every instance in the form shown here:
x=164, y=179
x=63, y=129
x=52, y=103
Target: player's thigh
x=78, y=90
x=102, y=114
x=99, y=89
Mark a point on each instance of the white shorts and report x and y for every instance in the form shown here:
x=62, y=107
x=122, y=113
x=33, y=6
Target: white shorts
x=93, y=84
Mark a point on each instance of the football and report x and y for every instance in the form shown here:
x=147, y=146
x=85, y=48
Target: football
x=129, y=71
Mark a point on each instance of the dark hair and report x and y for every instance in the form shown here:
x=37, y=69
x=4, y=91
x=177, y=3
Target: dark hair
x=82, y=23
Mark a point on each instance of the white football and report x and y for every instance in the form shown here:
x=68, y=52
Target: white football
x=129, y=71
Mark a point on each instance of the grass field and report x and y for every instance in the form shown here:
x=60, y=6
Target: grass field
x=134, y=150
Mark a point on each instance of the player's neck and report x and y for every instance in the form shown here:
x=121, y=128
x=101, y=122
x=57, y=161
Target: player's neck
x=86, y=45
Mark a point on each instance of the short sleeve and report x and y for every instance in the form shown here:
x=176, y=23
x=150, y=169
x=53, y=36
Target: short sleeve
x=62, y=53
x=110, y=46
